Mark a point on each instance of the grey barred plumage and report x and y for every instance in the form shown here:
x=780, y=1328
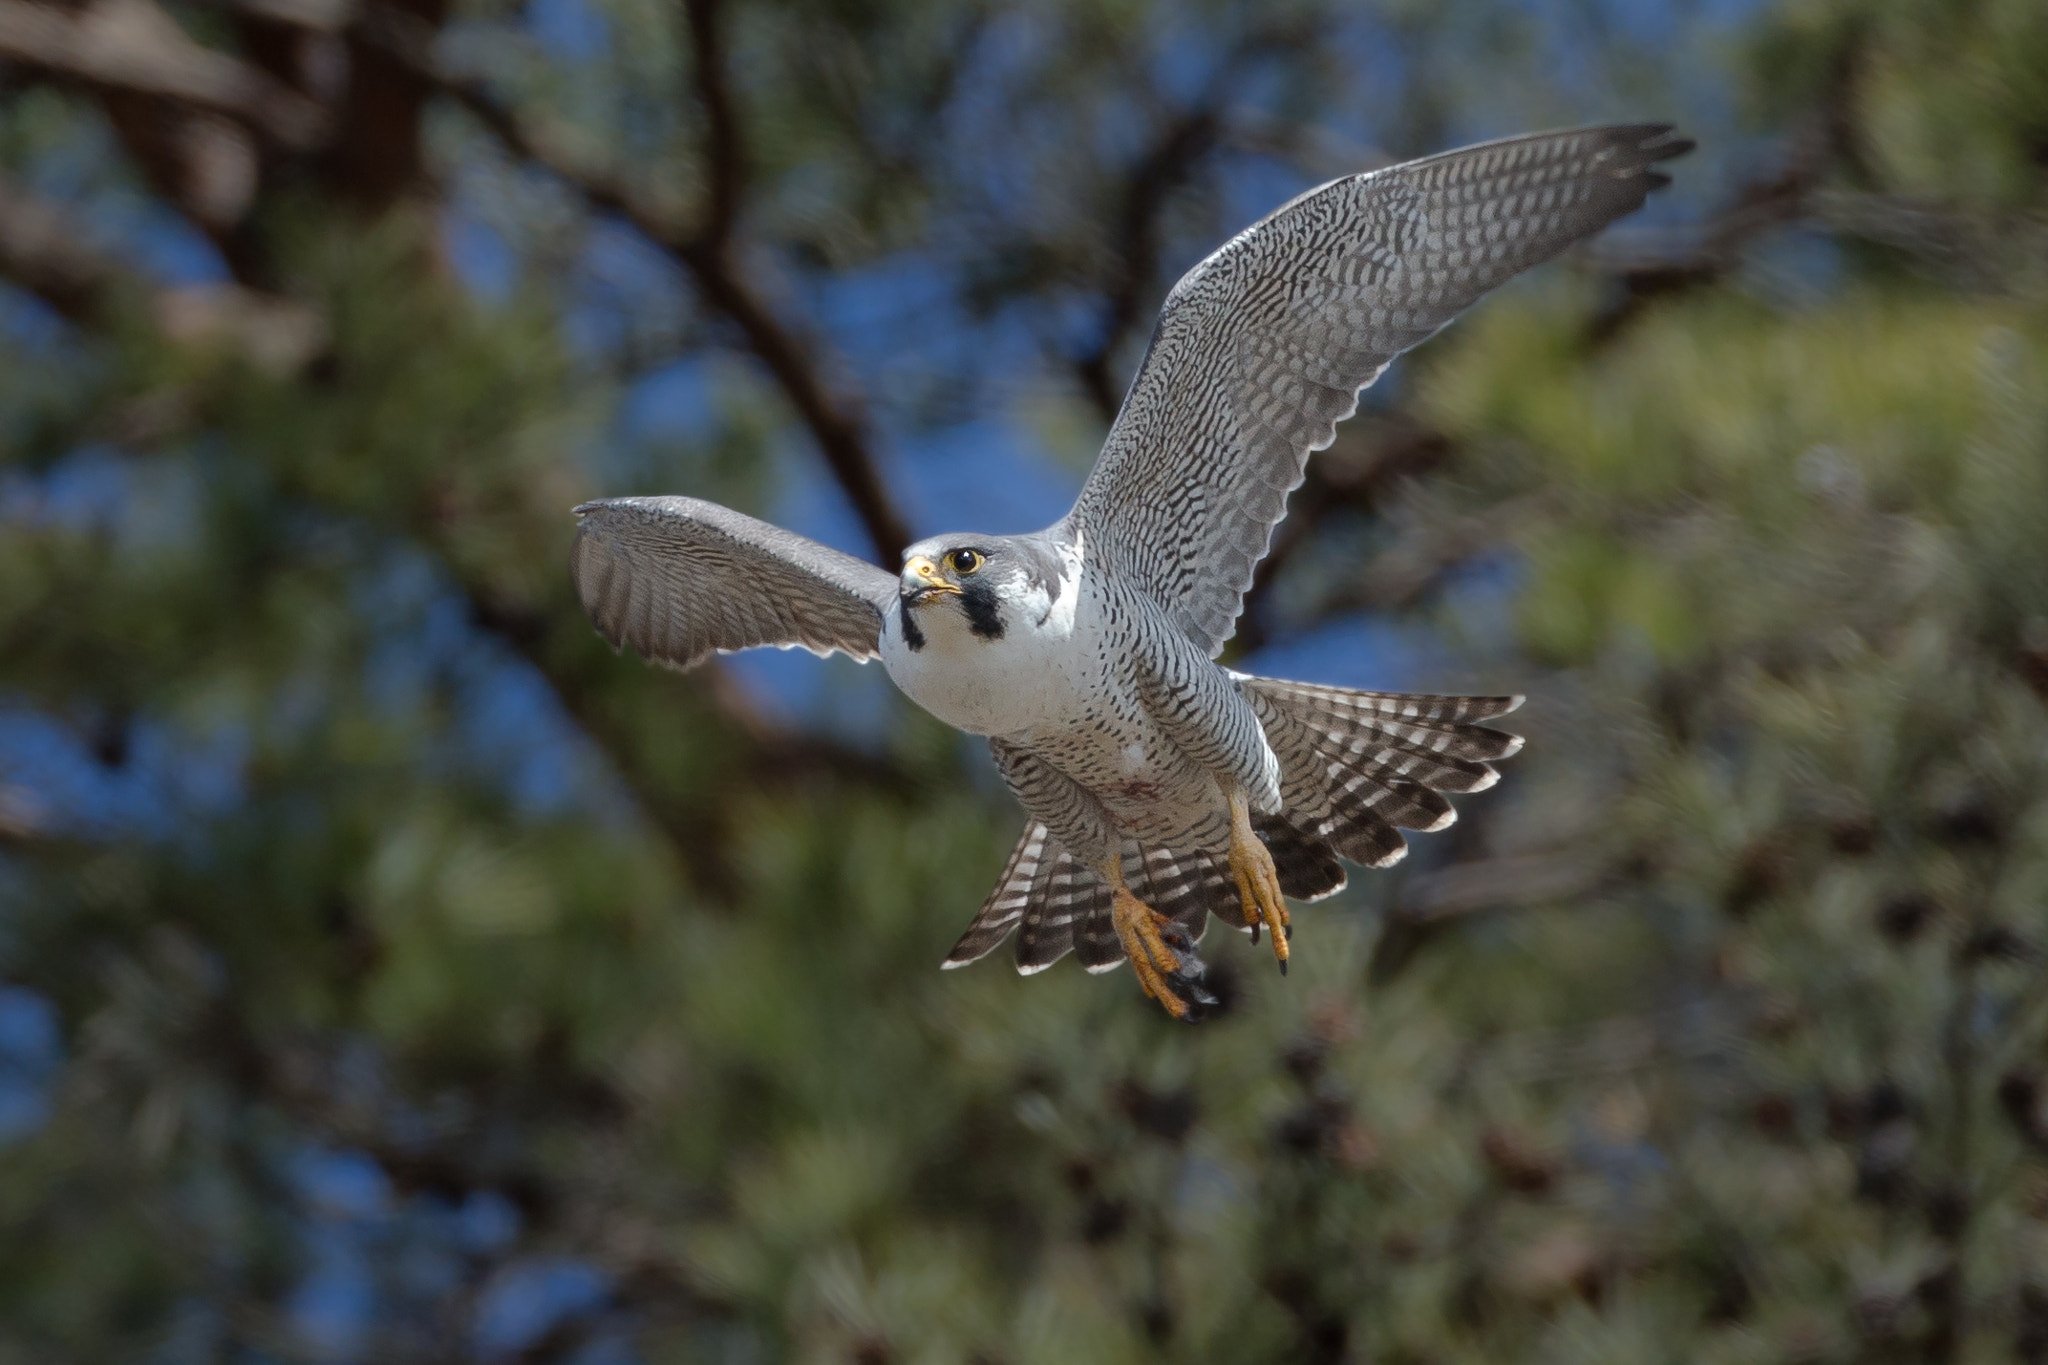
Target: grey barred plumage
x=1162, y=788
x=1262, y=348
x=679, y=578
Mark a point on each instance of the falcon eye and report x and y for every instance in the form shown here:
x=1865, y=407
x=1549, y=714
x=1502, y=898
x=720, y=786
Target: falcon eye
x=965, y=561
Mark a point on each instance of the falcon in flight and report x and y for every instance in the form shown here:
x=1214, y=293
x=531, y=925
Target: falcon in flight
x=1162, y=787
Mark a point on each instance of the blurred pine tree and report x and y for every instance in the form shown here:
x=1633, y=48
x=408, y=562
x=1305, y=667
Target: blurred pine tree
x=432, y=985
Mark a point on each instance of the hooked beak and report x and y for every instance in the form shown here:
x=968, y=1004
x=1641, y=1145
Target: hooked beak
x=930, y=584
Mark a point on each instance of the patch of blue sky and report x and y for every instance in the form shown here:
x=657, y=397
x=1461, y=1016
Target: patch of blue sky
x=333, y=1308
x=26, y=321
x=424, y=1269
x=487, y=1223
x=170, y=776
x=509, y=727
x=340, y=1184
x=1356, y=650
x=677, y=400
x=31, y=1057
x=411, y=642
x=572, y=30
x=147, y=234
x=484, y=261
x=621, y=285
x=887, y=307
x=1012, y=44
x=528, y=1299
x=512, y=725
x=1252, y=187
x=150, y=506
x=1186, y=54
x=74, y=793
x=982, y=476
x=166, y=247
x=85, y=490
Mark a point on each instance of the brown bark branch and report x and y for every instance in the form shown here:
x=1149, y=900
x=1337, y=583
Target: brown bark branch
x=1829, y=140
x=22, y=819
x=42, y=251
x=724, y=154
x=131, y=47
x=46, y=252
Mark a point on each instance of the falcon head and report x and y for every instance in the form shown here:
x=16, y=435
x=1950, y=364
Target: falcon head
x=988, y=583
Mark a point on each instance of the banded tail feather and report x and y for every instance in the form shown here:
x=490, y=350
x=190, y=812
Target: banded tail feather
x=1005, y=906
x=1356, y=769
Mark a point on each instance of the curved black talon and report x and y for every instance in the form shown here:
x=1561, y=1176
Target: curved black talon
x=1189, y=981
x=1193, y=994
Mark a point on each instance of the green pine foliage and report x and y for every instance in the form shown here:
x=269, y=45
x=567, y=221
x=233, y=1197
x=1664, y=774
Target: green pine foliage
x=1718, y=1032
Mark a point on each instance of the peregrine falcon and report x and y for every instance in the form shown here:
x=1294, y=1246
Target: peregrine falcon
x=1161, y=786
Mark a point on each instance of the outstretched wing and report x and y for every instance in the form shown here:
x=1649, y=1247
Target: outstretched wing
x=1262, y=348
x=677, y=578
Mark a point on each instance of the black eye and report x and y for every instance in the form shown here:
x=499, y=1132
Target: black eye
x=964, y=561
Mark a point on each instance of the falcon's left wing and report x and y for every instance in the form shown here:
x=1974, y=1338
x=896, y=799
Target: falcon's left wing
x=1262, y=348
x=678, y=578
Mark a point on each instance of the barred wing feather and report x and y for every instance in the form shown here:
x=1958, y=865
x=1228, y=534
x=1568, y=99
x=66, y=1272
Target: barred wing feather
x=1262, y=348
x=679, y=578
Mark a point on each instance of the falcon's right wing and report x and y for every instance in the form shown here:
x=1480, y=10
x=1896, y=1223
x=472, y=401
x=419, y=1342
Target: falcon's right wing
x=678, y=578
x=1262, y=348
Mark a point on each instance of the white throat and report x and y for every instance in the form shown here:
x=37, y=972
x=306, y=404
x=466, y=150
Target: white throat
x=1017, y=681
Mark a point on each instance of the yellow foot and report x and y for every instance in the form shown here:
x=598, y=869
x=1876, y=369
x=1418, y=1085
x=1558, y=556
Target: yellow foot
x=1161, y=953
x=1258, y=884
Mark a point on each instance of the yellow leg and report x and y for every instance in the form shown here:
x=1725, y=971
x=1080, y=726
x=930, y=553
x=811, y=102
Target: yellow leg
x=1162, y=955
x=1258, y=884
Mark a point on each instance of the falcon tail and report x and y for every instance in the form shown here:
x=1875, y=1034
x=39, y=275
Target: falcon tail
x=1356, y=768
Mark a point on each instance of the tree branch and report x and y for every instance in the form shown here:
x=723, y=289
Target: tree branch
x=724, y=156
x=832, y=418
x=44, y=251
x=1829, y=140
x=132, y=47
x=21, y=817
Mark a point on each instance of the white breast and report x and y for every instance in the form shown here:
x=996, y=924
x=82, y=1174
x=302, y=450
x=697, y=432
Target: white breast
x=1044, y=670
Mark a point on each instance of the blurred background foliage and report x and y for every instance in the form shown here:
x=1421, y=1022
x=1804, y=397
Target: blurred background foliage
x=390, y=973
